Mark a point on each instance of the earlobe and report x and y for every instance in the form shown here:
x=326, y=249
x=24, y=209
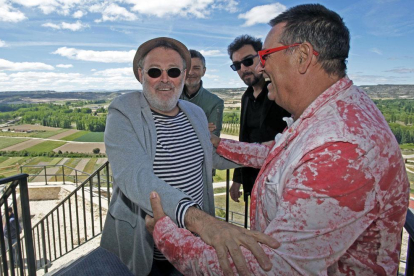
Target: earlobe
x=140, y=74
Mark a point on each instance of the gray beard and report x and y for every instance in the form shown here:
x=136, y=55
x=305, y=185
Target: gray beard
x=156, y=103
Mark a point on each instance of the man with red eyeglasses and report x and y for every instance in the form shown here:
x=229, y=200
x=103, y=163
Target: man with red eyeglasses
x=332, y=189
x=156, y=142
x=260, y=118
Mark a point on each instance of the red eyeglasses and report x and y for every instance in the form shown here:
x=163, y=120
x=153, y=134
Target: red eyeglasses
x=263, y=53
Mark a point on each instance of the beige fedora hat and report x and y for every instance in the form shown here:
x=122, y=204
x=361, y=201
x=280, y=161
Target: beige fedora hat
x=147, y=46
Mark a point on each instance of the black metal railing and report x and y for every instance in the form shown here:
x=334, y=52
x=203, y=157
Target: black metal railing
x=48, y=173
x=17, y=254
x=78, y=218
x=409, y=227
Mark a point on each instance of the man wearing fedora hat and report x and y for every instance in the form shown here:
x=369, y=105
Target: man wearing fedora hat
x=156, y=142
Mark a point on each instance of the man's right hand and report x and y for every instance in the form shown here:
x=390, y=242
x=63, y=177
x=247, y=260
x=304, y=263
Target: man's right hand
x=235, y=191
x=227, y=239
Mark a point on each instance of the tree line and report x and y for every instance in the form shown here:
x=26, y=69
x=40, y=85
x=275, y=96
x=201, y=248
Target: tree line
x=54, y=115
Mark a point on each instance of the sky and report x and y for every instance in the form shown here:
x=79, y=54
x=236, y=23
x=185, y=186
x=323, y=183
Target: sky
x=78, y=45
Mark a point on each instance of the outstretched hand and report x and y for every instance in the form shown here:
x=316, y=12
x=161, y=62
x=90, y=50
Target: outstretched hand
x=156, y=210
x=227, y=239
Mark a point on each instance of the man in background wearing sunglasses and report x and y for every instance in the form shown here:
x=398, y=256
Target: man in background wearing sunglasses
x=195, y=93
x=156, y=142
x=260, y=118
x=333, y=188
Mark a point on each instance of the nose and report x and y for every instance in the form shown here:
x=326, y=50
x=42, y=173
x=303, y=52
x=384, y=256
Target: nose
x=259, y=68
x=164, y=76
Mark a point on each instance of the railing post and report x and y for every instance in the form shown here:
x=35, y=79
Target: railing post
x=246, y=209
x=107, y=182
x=42, y=227
x=76, y=178
x=63, y=174
x=409, y=265
x=45, y=175
x=227, y=194
x=3, y=249
x=27, y=227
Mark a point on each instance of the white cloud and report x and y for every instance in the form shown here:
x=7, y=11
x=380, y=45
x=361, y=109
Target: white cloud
x=208, y=76
x=47, y=6
x=262, y=14
x=63, y=7
x=93, y=70
x=228, y=5
x=112, y=12
x=212, y=53
x=161, y=8
x=6, y=65
x=79, y=14
x=97, y=56
x=361, y=79
x=51, y=25
x=402, y=70
x=64, y=65
x=376, y=50
x=126, y=71
x=2, y=43
x=10, y=14
x=68, y=26
x=65, y=81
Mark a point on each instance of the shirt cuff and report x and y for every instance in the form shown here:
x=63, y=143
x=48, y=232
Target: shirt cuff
x=181, y=210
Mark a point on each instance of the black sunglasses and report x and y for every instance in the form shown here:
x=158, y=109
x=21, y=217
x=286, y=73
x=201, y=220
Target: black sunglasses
x=156, y=72
x=246, y=62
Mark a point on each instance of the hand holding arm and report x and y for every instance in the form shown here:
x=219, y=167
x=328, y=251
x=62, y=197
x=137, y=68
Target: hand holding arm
x=224, y=237
x=227, y=238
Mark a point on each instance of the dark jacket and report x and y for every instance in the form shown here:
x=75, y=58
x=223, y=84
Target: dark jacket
x=271, y=123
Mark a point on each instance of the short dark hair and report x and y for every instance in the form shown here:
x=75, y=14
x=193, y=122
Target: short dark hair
x=166, y=45
x=322, y=28
x=197, y=54
x=242, y=40
x=10, y=209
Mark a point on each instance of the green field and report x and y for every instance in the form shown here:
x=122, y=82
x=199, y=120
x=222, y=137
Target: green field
x=237, y=207
x=221, y=176
x=45, y=146
x=75, y=136
x=91, y=137
x=7, y=142
x=44, y=134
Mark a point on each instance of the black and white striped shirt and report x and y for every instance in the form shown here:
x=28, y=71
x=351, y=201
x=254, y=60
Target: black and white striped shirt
x=179, y=161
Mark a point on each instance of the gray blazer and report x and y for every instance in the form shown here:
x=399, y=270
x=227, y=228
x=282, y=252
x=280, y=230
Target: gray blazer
x=130, y=140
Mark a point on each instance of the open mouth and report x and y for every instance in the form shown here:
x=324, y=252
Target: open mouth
x=267, y=79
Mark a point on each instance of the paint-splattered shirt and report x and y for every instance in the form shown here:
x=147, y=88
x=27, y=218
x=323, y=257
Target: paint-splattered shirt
x=333, y=190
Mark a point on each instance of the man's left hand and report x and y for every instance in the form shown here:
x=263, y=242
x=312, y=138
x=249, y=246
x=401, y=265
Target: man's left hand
x=156, y=210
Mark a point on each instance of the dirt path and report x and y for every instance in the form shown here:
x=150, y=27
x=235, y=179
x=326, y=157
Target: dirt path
x=81, y=165
x=64, y=134
x=83, y=147
x=24, y=145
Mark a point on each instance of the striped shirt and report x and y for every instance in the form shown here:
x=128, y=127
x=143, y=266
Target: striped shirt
x=178, y=161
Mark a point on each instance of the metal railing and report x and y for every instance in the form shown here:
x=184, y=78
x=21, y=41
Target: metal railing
x=409, y=227
x=17, y=254
x=68, y=174
x=77, y=219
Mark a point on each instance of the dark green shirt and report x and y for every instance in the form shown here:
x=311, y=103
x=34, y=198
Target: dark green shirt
x=211, y=104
